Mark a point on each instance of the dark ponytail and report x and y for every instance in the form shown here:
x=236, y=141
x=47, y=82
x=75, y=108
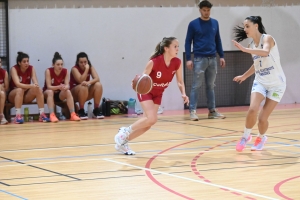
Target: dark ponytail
x=56, y=57
x=241, y=35
x=160, y=47
x=21, y=56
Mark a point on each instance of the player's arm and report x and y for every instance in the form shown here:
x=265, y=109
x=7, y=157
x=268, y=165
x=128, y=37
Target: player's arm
x=34, y=78
x=6, y=84
x=268, y=43
x=94, y=76
x=66, y=81
x=180, y=84
x=15, y=78
x=243, y=77
x=79, y=78
x=148, y=67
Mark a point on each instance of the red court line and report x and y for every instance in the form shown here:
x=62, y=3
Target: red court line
x=278, y=185
x=197, y=173
x=149, y=162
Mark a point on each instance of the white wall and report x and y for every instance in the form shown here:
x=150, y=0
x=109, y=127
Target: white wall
x=119, y=41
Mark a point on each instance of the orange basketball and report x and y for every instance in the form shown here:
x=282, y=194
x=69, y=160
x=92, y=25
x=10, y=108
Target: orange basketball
x=142, y=84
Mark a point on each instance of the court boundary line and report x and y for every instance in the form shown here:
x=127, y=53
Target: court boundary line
x=12, y=194
x=188, y=179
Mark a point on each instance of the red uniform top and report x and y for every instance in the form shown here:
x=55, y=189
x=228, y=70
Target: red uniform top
x=162, y=74
x=73, y=82
x=24, y=78
x=56, y=79
x=2, y=75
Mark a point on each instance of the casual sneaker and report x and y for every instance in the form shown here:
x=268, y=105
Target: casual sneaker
x=44, y=118
x=214, y=114
x=240, y=146
x=53, y=118
x=193, y=115
x=74, y=117
x=82, y=114
x=97, y=114
x=125, y=149
x=259, y=143
x=121, y=137
x=18, y=119
x=3, y=120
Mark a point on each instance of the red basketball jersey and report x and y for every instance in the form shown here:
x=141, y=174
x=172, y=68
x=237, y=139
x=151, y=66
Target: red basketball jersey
x=162, y=74
x=24, y=78
x=2, y=75
x=56, y=79
x=73, y=82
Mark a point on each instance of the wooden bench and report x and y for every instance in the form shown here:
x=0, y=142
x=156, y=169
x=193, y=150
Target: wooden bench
x=9, y=106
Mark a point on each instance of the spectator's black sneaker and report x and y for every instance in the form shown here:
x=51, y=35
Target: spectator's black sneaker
x=97, y=114
x=82, y=115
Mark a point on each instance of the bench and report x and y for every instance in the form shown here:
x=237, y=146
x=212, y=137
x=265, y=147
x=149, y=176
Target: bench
x=9, y=106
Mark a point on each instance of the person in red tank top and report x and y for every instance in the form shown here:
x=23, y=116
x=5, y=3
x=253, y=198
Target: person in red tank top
x=56, y=88
x=22, y=90
x=83, y=88
x=3, y=90
x=162, y=67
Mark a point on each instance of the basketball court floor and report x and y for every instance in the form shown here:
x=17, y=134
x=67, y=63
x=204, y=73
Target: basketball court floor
x=176, y=159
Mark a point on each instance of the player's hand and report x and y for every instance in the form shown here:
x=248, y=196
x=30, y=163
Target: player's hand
x=239, y=79
x=222, y=62
x=185, y=100
x=35, y=85
x=239, y=46
x=87, y=66
x=85, y=83
x=189, y=64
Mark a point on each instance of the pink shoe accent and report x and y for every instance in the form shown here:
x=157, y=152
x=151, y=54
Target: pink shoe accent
x=240, y=146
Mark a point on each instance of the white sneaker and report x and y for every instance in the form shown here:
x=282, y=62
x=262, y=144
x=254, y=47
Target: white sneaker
x=193, y=115
x=3, y=120
x=160, y=110
x=125, y=149
x=122, y=136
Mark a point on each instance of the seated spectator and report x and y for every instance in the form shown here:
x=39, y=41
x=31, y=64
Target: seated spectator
x=3, y=89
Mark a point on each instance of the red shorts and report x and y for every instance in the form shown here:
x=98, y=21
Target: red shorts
x=154, y=95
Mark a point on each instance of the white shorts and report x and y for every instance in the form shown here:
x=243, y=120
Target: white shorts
x=274, y=93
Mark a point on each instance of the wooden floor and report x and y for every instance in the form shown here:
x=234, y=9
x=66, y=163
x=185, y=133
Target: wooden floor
x=176, y=159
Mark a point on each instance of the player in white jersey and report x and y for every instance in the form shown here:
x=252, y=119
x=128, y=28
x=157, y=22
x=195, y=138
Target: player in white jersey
x=269, y=83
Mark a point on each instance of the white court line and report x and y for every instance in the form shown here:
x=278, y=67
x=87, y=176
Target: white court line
x=190, y=179
x=138, y=156
x=145, y=142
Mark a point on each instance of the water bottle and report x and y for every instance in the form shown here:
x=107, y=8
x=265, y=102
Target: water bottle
x=26, y=114
x=105, y=107
x=131, y=108
x=90, y=110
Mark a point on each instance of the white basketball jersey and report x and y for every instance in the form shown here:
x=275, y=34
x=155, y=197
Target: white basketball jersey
x=268, y=70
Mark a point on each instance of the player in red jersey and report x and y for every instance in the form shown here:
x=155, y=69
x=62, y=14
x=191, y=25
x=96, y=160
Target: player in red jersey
x=83, y=88
x=22, y=90
x=3, y=89
x=56, y=88
x=162, y=67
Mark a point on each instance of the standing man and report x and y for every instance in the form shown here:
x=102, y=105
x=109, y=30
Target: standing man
x=204, y=33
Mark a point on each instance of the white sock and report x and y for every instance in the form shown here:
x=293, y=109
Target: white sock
x=41, y=110
x=247, y=132
x=129, y=130
x=18, y=111
x=261, y=135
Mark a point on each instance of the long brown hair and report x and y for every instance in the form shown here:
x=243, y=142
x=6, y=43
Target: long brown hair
x=160, y=47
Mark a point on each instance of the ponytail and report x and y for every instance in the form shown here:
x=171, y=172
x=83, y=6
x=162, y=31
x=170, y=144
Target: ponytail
x=160, y=47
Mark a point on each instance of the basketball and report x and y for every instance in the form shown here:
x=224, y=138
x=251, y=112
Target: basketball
x=142, y=84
